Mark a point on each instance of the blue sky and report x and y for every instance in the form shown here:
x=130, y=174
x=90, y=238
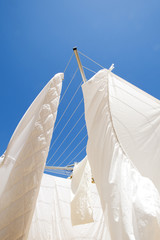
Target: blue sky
x=36, y=40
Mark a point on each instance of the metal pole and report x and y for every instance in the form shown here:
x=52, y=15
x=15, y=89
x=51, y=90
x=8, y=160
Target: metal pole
x=68, y=168
x=79, y=64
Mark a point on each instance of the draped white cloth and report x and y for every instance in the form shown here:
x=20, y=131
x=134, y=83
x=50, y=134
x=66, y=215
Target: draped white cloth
x=123, y=149
x=81, y=204
x=22, y=165
x=52, y=216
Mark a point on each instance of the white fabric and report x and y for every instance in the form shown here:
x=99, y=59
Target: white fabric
x=123, y=149
x=22, y=167
x=52, y=217
x=81, y=204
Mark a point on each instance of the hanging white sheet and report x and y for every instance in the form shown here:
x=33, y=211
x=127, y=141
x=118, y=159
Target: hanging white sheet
x=81, y=204
x=52, y=216
x=123, y=149
x=22, y=165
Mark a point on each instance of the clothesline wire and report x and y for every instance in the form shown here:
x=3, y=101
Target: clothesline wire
x=65, y=124
x=73, y=149
x=76, y=155
x=68, y=106
x=68, y=62
x=72, y=114
x=67, y=135
x=90, y=59
x=84, y=56
x=88, y=69
x=68, y=85
x=66, y=147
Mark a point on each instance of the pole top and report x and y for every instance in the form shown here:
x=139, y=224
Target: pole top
x=74, y=48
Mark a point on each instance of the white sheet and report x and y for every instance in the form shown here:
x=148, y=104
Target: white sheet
x=52, y=216
x=123, y=149
x=22, y=166
x=81, y=203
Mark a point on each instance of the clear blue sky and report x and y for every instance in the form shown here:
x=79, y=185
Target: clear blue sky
x=37, y=36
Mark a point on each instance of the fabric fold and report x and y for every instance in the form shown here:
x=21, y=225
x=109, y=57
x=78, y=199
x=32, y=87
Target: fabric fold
x=81, y=203
x=23, y=164
x=52, y=215
x=128, y=193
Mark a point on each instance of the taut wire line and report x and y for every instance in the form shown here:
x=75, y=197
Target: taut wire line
x=67, y=135
x=74, y=149
x=68, y=105
x=68, y=62
x=69, y=85
x=76, y=155
x=66, y=124
x=91, y=59
x=88, y=69
x=66, y=147
x=72, y=128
